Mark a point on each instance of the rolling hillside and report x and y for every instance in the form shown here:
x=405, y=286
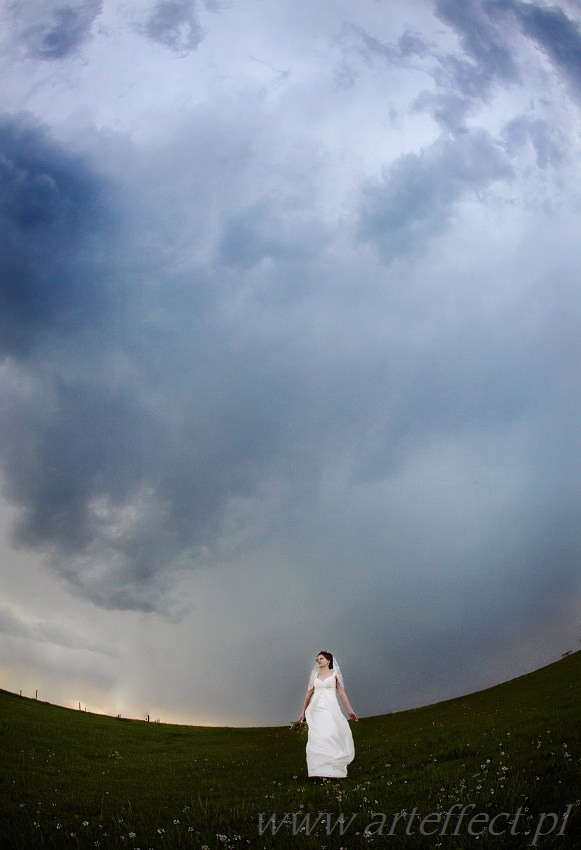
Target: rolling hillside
x=499, y=768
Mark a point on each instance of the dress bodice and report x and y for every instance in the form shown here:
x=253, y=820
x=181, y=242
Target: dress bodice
x=329, y=682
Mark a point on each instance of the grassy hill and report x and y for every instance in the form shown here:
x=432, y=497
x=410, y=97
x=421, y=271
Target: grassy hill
x=489, y=767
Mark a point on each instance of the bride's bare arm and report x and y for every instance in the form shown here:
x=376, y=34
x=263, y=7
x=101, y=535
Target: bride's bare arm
x=308, y=696
x=345, y=701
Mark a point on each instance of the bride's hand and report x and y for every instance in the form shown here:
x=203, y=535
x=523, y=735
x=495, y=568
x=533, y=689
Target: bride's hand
x=353, y=716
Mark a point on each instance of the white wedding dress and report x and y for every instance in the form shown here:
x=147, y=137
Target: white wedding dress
x=330, y=745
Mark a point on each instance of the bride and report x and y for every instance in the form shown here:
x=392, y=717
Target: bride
x=330, y=742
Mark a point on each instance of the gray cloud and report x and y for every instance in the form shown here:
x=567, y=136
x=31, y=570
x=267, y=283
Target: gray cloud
x=12, y=625
x=557, y=35
x=416, y=196
x=357, y=38
x=412, y=44
x=485, y=29
x=270, y=229
x=54, y=30
x=548, y=142
x=411, y=50
x=175, y=24
x=463, y=79
x=448, y=109
x=484, y=41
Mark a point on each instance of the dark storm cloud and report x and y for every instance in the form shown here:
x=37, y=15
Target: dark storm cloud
x=484, y=25
x=557, y=35
x=154, y=407
x=50, y=213
x=188, y=348
x=175, y=24
x=54, y=30
x=133, y=436
x=416, y=196
x=70, y=443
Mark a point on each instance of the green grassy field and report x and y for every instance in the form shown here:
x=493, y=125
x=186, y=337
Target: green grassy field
x=489, y=767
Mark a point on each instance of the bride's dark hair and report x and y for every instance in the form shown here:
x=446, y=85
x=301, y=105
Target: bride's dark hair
x=328, y=656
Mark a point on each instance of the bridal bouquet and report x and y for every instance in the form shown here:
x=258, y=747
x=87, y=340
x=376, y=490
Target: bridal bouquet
x=299, y=726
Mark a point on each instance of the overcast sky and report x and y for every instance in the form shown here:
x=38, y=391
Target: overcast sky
x=289, y=350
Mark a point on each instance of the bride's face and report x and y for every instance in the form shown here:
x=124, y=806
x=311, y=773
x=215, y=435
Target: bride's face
x=322, y=662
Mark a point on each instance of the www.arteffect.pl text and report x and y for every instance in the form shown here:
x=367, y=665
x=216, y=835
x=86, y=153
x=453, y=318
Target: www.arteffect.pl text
x=459, y=819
